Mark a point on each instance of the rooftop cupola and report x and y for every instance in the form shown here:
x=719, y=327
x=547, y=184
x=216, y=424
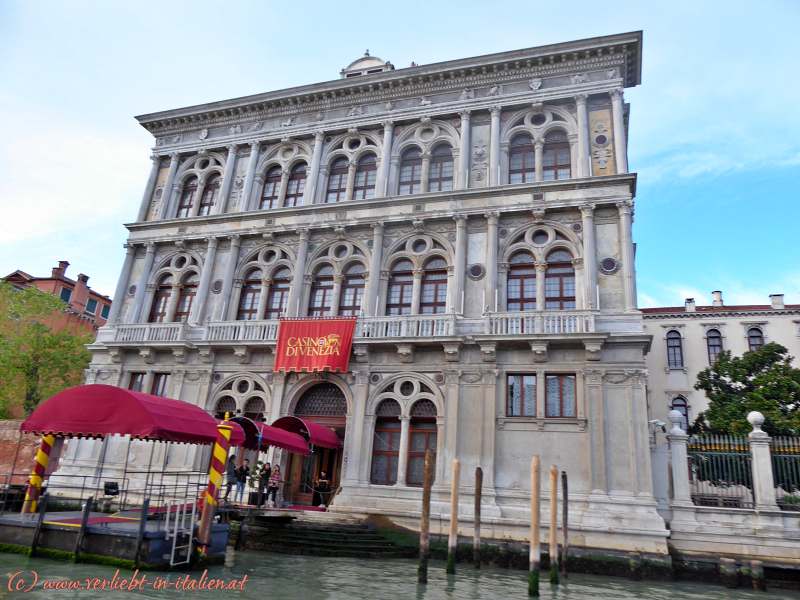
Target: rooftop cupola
x=366, y=65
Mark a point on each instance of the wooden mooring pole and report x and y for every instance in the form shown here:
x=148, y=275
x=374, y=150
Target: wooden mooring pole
x=553, y=550
x=425, y=519
x=564, y=522
x=452, y=539
x=476, y=540
x=535, y=552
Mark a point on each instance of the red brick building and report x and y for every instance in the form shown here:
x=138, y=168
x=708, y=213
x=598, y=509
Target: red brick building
x=86, y=309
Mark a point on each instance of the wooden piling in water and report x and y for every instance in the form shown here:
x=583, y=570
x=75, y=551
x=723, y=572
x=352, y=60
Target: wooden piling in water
x=564, y=521
x=425, y=519
x=87, y=509
x=39, y=520
x=476, y=540
x=535, y=552
x=553, y=550
x=452, y=539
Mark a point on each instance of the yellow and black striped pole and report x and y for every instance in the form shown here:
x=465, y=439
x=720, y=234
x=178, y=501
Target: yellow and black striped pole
x=40, y=462
x=219, y=456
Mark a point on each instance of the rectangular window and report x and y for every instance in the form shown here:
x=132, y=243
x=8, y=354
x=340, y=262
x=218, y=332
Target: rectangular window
x=136, y=382
x=104, y=312
x=66, y=294
x=560, y=396
x=521, y=395
x=159, y=385
x=91, y=306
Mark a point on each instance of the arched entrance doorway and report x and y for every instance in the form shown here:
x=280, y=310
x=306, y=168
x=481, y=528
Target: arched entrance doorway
x=324, y=404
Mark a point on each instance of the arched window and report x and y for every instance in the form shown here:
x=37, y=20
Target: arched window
x=366, y=172
x=559, y=281
x=679, y=403
x=441, y=173
x=254, y=409
x=714, y=344
x=278, y=294
x=386, y=443
x=674, y=350
x=319, y=303
x=555, y=156
x=187, y=197
x=401, y=283
x=251, y=293
x=421, y=437
x=186, y=297
x=521, y=283
x=272, y=187
x=210, y=194
x=755, y=338
x=352, y=292
x=158, y=310
x=296, y=185
x=411, y=172
x=337, y=181
x=433, y=297
x=521, y=161
x=226, y=404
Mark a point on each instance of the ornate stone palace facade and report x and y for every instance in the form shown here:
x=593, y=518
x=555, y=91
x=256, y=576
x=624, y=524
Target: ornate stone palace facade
x=475, y=215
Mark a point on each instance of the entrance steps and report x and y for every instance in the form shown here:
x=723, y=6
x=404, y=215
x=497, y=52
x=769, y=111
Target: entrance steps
x=321, y=534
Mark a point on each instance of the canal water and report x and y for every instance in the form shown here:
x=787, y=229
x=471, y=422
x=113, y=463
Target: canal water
x=284, y=577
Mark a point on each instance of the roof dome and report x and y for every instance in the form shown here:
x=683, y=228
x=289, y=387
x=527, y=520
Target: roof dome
x=366, y=65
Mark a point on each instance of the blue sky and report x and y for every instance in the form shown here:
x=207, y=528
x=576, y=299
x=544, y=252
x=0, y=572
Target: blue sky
x=715, y=126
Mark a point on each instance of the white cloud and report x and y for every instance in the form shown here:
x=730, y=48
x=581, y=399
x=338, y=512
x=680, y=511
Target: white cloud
x=733, y=292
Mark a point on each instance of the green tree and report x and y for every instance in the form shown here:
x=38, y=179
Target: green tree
x=36, y=361
x=762, y=380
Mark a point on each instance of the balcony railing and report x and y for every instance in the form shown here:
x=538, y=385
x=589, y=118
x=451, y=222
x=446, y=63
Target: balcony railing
x=150, y=332
x=242, y=331
x=406, y=326
x=540, y=322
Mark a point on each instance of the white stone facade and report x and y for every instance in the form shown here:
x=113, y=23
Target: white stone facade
x=457, y=354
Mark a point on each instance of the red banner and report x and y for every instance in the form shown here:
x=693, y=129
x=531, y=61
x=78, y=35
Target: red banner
x=314, y=344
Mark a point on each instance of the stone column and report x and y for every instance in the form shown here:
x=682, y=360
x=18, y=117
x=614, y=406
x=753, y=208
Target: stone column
x=356, y=450
x=310, y=192
x=402, y=458
x=425, y=172
x=247, y=190
x=262, y=298
x=584, y=166
x=147, y=197
x=371, y=292
x=141, y=284
x=460, y=265
x=227, y=181
x=620, y=141
x=227, y=280
x=336, y=293
x=462, y=182
x=382, y=177
x=198, y=307
x=416, y=288
x=282, y=186
x=761, y=464
x=494, y=147
x=626, y=250
x=491, y=262
x=681, y=494
x=198, y=195
x=172, y=302
x=293, y=303
x=541, y=270
x=122, y=285
x=351, y=180
x=489, y=421
x=538, y=152
x=593, y=380
x=589, y=255
x=167, y=193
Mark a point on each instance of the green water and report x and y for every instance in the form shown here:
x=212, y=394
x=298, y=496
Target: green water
x=283, y=577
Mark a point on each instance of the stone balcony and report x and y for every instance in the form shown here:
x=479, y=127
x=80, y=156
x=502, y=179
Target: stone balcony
x=540, y=322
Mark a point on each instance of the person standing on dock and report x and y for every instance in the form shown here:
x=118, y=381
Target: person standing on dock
x=263, y=482
x=242, y=473
x=230, y=476
x=274, y=483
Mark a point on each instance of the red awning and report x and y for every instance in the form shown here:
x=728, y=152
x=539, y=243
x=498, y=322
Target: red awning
x=249, y=431
x=99, y=410
x=238, y=436
x=281, y=438
x=314, y=433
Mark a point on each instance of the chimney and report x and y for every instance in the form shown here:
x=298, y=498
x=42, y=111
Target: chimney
x=689, y=305
x=59, y=271
x=777, y=301
x=717, y=296
x=83, y=278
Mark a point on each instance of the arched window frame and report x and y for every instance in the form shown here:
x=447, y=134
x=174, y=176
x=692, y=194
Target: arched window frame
x=270, y=193
x=755, y=338
x=410, y=171
x=336, y=190
x=351, y=295
x=674, y=349
x=521, y=282
x=559, y=281
x=210, y=195
x=521, y=159
x=400, y=289
x=320, y=300
x=295, y=185
x=442, y=172
x=680, y=404
x=278, y=294
x=250, y=296
x=160, y=302
x=433, y=288
x=186, y=296
x=713, y=344
x=556, y=157
x=187, y=197
x=365, y=177
x=423, y=435
x=386, y=443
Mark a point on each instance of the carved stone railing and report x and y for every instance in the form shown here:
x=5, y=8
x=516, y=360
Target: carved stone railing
x=410, y=326
x=150, y=332
x=242, y=331
x=540, y=322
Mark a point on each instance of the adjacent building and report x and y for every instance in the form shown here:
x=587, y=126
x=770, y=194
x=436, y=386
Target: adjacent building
x=474, y=215
x=85, y=309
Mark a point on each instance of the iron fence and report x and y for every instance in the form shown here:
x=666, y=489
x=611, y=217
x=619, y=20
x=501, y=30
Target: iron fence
x=786, y=471
x=720, y=471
